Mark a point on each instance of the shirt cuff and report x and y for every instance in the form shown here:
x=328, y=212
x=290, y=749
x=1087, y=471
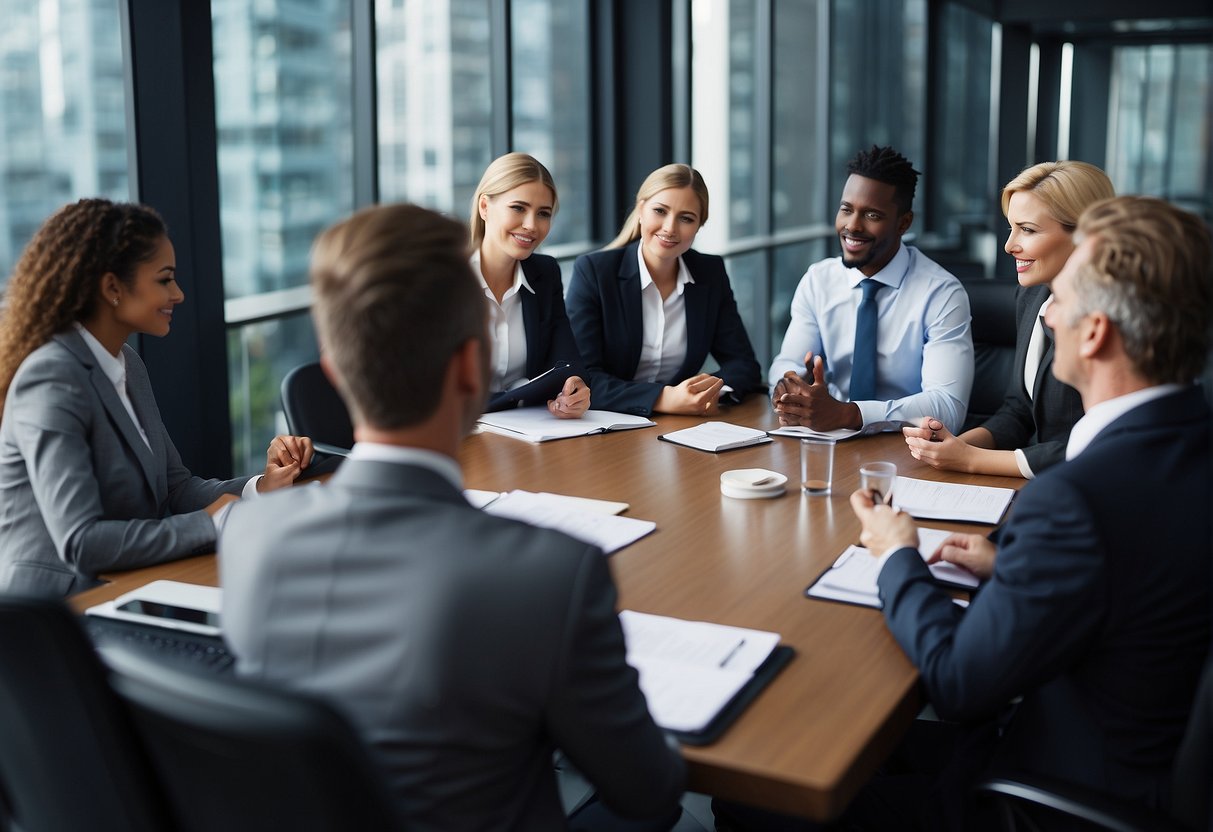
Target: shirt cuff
x=250, y=491
x=220, y=517
x=1021, y=459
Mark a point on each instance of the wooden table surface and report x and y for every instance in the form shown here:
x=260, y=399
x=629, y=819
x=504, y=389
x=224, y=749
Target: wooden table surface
x=813, y=737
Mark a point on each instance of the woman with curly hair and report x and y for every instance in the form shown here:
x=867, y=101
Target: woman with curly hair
x=89, y=480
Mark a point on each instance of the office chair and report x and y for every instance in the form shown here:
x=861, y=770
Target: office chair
x=69, y=755
x=313, y=408
x=234, y=755
x=992, y=305
x=1039, y=799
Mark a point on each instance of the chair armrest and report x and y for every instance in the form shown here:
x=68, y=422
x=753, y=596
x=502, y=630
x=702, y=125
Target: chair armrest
x=1082, y=802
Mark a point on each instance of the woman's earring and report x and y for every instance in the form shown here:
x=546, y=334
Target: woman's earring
x=115, y=301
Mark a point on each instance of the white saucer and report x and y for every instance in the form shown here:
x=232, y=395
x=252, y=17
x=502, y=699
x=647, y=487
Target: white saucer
x=752, y=484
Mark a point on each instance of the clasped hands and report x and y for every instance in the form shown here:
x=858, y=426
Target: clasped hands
x=573, y=400
x=806, y=400
x=285, y=460
x=886, y=528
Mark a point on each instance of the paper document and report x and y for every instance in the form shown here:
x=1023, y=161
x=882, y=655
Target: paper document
x=800, y=432
x=930, y=500
x=853, y=576
x=717, y=436
x=478, y=498
x=555, y=511
x=536, y=424
x=690, y=670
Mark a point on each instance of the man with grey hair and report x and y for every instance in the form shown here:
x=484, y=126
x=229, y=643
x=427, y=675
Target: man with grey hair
x=465, y=647
x=1095, y=607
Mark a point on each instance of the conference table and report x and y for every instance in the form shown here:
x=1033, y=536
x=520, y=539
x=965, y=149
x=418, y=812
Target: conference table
x=812, y=737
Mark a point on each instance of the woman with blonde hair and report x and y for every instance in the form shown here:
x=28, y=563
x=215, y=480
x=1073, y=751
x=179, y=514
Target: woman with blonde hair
x=89, y=480
x=512, y=213
x=1030, y=430
x=648, y=309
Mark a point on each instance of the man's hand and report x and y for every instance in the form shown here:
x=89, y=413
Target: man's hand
x=798, y=402
x=971, y=551
x=884, y=528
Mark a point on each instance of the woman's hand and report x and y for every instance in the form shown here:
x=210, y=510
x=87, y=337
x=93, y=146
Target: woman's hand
x=694, y=397
x=573, y=401
x=935, y=445
x=286, y=458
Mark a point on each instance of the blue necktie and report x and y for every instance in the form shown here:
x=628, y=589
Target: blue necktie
x=863, y=366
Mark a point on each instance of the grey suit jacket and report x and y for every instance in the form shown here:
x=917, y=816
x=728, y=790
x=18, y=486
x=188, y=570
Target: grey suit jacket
x=80, y=492
x=1040, y=425
x=466, y=647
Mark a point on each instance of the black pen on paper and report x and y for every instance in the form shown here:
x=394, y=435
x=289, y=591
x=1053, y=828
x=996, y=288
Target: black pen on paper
x=732, y=652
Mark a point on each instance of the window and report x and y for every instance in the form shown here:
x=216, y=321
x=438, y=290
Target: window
x=282, y=110
x=62, y=114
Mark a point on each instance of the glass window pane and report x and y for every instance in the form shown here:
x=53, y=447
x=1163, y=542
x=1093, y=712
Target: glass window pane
x=259, y=355
x=877, y=92
x=723, y=115
x=435, y=114
x=791, y=262
x=282, y=108
x=799, y=192
x=62, y=113
x=551, y=102
x=963, y=116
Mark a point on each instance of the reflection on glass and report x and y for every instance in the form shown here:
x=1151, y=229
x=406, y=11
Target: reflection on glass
x=259, y=355
x=434, y=97
x=963, y=116
x=798, y=192
x=62, y=113
x=282, y=109
x=551, y=99
x=877, y=81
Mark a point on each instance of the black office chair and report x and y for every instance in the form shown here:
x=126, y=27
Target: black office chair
x=1034, y=802
x=313, y=408
x=69, y=755
x=234, y=755
x=992, y=304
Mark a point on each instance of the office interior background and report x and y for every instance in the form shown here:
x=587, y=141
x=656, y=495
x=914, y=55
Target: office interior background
x=253, y=124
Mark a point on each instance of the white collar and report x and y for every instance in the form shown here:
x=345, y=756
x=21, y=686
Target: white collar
x=114, y=366
x=646, y=279
x=440, y=464
x=519, y=275
x=892, y=274
x=1105, y=413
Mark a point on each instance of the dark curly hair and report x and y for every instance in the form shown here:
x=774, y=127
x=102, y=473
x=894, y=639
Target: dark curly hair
x=55, y=280
x=884, y=164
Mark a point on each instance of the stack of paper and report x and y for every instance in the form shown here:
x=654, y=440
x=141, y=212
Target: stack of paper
x=717, y=436
x=930, y=500
x=569, y=515
x=853, y=576
x=801, y=432
x=536, y=424
x=690, y=670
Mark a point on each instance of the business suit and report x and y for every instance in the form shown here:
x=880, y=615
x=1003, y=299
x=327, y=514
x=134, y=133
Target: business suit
x=466, y=647
x=1097, y=611
x=605, y=309
x=1039, y=425
x=549, y=337
x=80, y=491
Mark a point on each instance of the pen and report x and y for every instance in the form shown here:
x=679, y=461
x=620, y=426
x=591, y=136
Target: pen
x=732, y=652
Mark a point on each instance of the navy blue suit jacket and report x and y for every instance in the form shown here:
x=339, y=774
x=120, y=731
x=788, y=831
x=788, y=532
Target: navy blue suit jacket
x=1040, y=425
x=604, y=306
x=1097, y=611
x=549, y=338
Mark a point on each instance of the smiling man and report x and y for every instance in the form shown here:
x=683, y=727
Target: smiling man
x=880, y=335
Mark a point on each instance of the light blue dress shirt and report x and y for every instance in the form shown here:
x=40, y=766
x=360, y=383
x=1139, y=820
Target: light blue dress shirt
x=924, y=350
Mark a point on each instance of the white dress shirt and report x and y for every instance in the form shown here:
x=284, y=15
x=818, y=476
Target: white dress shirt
x=1105, y=413
x=1031, y=366
x=507, y=328
x=924, y=350
x=663, y=345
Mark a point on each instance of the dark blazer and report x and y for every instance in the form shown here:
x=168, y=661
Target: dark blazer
x=466, y=647
x=1097, y=611
x=1039, y=425
x=80, y=491
x=549, y=338
x=604, y=307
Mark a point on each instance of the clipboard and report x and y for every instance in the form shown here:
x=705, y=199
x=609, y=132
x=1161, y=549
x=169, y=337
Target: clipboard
x=535, y=393
x=726, y=716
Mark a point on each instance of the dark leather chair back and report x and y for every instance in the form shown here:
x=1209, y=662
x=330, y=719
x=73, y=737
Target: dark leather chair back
x=236, y=756
x=313, y=408
x=69, y=755
x=992, y=304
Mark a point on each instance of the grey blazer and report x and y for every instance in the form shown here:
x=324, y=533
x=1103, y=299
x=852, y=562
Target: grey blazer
x=465, y=647
x=80, y=492
x=1040, y=425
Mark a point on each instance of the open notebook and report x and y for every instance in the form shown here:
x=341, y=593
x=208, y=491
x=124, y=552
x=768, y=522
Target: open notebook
x=536, y=424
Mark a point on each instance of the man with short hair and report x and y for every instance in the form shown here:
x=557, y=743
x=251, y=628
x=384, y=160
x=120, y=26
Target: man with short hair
x=880, y=334
x=465, y=647
x=1096, y=601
